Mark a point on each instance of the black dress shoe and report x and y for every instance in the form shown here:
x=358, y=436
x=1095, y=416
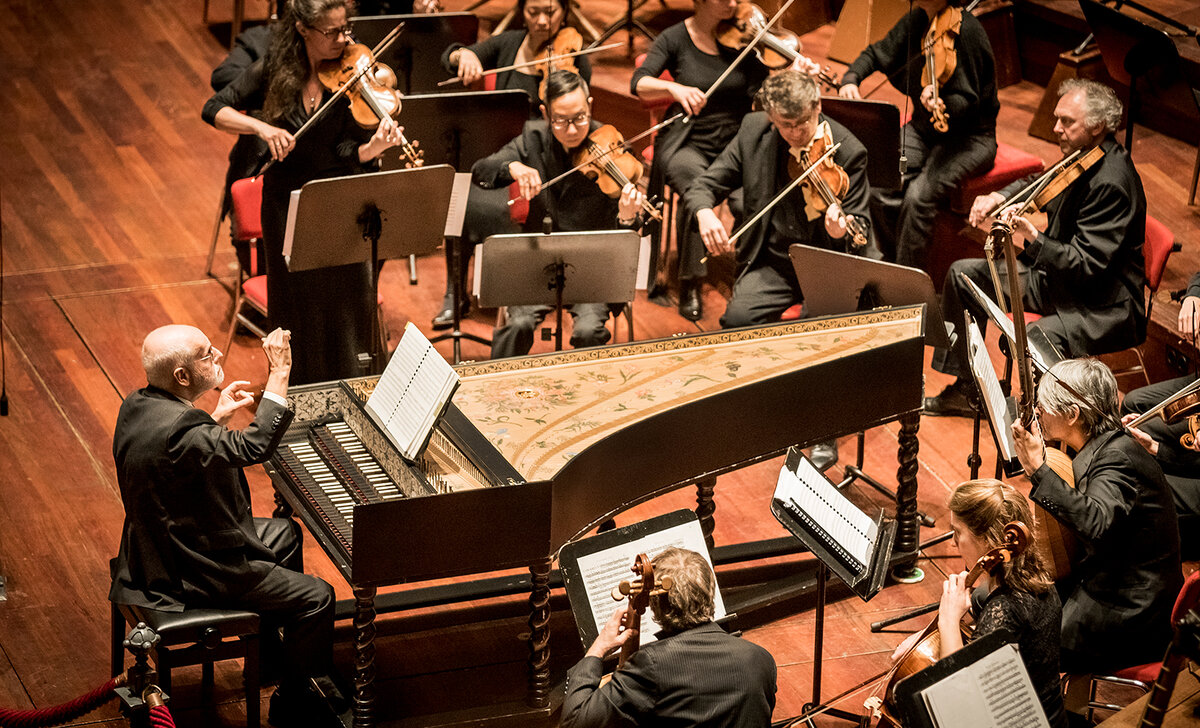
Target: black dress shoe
x=445, y=318
x=954, y=401
x=691, y=306
x=824, y=455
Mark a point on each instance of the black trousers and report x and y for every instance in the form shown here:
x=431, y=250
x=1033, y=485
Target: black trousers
x=903, y=219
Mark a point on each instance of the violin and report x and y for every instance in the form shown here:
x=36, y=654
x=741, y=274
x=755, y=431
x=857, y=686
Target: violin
x=604, y=158
x=638, y=590
x=941, y=59
x=558, y=54
x=928, y=648
x=371, y=90
x=826, y=185
x=776, y=49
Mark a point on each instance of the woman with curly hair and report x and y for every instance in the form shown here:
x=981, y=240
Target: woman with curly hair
x=328, y=310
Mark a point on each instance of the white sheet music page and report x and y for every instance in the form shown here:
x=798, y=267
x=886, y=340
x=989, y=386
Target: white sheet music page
x=603, y=570
x=993, y=396
x=412, y=392
x=994, y=692
x=1002, y=320
x=841, y=521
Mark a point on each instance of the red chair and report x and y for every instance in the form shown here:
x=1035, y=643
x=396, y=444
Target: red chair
x=1143, y=676
x=1010, y=165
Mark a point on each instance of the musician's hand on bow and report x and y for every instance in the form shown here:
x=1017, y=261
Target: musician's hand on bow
x=712, y=232
x=849, y=91
x=1189, y=317
x=279, y=141
x=690, y=98
x=233, y=398
x=470, y=69
x=908, y=643
x=1140, y=436
x=614, y=634
x=527, y=179
x=1031, y=448
x=630, y=202
x=983, y=206
x=835, y=221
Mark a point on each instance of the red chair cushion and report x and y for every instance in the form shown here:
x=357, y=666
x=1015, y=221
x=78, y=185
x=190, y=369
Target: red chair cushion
x=1147, y=673
x=247, y=208
x=255, y=289
x=1030, y=317
x=519, y=210
x=793, y=312
x=1156, y=250
x=1010, y=165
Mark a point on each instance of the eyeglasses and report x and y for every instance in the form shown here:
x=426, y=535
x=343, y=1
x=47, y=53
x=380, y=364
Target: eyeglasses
x=577, y=121
x=334, y=33
x=212, y=352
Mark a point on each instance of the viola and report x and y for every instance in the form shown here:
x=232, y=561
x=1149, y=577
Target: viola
x=777, y=48
x=826, y=185
x=941, y=59
x=927, y=649
x=605, y=158
x=371, y=90
x=638, y=590
x=558, y=54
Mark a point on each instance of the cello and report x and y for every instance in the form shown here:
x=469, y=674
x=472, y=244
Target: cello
x=638, y=590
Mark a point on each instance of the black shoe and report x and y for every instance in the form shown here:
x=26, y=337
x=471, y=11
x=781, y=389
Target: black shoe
x=306, y=706
x=691, y=306
x=445, y=317
x=824, y=455
x=954, y=401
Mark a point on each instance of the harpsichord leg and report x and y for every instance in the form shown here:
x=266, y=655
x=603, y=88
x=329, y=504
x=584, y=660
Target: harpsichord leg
x=706, y=507
x=364, y=657
x=908, y=536
x=538, y=695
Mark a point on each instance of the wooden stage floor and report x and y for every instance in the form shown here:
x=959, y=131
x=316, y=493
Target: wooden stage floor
x=108, y=186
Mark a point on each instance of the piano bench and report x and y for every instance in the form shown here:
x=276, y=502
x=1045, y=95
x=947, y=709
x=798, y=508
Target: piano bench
x=195, y=637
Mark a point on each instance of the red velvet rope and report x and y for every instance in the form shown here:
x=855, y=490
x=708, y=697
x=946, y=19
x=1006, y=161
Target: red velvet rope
x=160, y=717
x=61, y=713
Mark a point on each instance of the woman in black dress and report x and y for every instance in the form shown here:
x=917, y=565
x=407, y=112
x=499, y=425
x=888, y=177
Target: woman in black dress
x=487, y=210
x=328, y=310
x=1020, y=598
x=690, y=53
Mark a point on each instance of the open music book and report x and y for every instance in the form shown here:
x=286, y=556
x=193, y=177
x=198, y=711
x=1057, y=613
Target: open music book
x=844, y=538
x=1000, y=414
x=412, y=393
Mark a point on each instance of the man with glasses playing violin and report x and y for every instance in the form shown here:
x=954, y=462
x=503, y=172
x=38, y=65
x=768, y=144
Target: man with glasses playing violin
x=189, y=540
x=1085, y=274
x=543, y=151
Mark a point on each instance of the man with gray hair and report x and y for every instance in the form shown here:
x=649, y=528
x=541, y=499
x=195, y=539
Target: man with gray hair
x=694, y=674
x=1085, y=273
x=189, y=539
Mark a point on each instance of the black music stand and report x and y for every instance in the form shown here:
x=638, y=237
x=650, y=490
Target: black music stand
x=558, y=269
x=627, y=22
x=877, y=125
x=459, y=129
x=1143, y=58
x=330, y=220
x=416, y=56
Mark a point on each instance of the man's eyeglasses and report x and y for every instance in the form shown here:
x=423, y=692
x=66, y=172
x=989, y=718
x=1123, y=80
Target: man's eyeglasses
x=212, y=351
x=333, y=33
x=577, y=121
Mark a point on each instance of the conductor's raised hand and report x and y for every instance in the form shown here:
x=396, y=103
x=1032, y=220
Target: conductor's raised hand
x=233, y=398
x=527, y=179
x=278, y=347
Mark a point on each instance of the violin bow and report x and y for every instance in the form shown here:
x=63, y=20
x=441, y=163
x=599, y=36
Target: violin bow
x=749, y=47
x=345, y=87
x=624, y=145
x=526, y=64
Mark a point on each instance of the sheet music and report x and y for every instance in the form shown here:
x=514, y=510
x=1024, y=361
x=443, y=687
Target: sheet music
x=412, y=392
x=993, y=397
x=603, y=570
x=845, y=529
x=994, y=692
x=290, y=228
x=458, y=204
x=1002, y=320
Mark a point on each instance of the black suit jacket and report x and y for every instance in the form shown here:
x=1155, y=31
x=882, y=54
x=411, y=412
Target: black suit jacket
x=751, y=162
x=1090, y=257
x=1118, y=599
x=188, y=536
x=701, y=677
